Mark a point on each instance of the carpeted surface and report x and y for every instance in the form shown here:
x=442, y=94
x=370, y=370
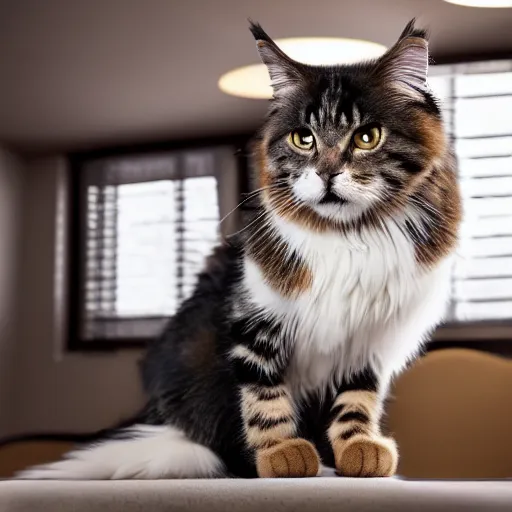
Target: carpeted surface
x=315, y=495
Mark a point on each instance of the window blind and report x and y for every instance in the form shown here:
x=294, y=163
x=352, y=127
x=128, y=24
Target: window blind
x=477, y=103
x=147, y=224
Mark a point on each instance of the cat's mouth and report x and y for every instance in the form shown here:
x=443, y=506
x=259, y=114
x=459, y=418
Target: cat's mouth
x=331, y=198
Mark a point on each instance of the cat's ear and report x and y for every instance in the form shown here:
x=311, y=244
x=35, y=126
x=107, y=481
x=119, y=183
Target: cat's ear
x=285, y=73
x=405, y=64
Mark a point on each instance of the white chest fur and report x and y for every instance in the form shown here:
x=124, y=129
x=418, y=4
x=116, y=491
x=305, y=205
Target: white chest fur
x=369, y=302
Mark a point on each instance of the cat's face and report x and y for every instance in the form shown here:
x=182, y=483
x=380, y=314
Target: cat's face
x=346, y=143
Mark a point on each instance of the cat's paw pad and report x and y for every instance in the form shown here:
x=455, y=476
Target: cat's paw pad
x=292, y=458
x=367, y=457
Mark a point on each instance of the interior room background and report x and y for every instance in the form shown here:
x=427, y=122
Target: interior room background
x=105, y=221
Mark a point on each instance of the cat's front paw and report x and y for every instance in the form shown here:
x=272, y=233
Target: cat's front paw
x=367, y=457
x=291, y=458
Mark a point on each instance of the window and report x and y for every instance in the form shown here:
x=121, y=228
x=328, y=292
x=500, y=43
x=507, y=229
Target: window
x=146, y=223
x=477, y=101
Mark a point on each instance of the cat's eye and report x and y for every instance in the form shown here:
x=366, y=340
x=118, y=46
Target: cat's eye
x=302, y=139
x=367, y=137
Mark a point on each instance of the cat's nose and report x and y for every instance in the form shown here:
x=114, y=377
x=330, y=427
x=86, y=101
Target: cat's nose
x=328, y=176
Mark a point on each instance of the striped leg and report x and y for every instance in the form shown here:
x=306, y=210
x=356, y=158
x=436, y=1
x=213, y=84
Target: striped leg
x=268, y=413
x=359, y=448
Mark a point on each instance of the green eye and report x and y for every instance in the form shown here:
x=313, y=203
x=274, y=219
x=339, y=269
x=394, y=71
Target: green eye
x=302, y=139
x=367, y=137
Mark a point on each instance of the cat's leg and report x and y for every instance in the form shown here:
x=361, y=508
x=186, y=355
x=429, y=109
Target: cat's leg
x=269, y=417
x=360, y=450
x=270, y=428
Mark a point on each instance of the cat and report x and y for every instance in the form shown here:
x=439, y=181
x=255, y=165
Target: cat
x=281, y=360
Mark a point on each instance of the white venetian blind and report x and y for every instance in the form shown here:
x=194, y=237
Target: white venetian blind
x=148, y=223
x=477, y=101
x=165, y=229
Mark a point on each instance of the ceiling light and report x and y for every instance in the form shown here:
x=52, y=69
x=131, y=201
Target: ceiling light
x=482, y=3
x=253, y=81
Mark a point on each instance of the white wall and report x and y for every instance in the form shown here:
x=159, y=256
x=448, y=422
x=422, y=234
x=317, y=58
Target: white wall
x=11, y=182
x=57, y=391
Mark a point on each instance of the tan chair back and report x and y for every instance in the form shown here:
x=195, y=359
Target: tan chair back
x=451, y=414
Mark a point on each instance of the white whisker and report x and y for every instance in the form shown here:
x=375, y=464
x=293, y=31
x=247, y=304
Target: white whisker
x=252, y=195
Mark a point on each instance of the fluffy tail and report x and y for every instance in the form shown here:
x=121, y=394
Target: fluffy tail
x=139, y=452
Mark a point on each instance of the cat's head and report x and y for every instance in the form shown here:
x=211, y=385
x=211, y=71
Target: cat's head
x=347, y=144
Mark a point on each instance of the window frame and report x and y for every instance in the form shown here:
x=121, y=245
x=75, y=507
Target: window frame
x=77, y=203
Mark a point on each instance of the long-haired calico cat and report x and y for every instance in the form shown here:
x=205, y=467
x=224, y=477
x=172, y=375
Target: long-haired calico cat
x=282, y=357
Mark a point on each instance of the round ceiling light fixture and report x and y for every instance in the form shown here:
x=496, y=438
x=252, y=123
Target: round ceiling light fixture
x=482, y=3
x=253, y=81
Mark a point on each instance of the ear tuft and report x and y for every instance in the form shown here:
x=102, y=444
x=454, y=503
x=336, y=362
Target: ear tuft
x=411, y=31
x=258, y=32
x=285, y=73
x=406, y=63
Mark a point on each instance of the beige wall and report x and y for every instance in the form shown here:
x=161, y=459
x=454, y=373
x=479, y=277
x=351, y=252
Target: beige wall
x=57, y=391
x=11, y=174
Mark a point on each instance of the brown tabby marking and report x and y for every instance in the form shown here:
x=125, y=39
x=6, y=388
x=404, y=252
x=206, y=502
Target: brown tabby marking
x=268, y=415
x=284, y=272
x=358, y=413
x=440, y=190
x=434, y=138
x=264, y=438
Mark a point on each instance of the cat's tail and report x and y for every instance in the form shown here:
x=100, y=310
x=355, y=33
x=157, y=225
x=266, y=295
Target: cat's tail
x=139, y=452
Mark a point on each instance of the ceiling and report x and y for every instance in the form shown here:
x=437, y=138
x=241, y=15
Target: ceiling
x=88, y=73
